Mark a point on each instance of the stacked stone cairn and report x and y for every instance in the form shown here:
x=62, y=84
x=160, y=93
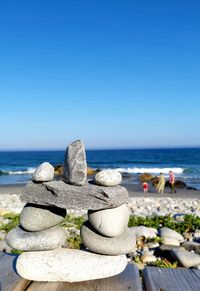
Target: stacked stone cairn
x=105, y=234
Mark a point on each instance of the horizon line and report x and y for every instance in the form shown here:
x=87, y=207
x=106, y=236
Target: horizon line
x=100, y=148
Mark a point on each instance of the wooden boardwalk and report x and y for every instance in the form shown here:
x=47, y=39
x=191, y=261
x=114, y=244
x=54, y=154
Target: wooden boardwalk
x=154, y=279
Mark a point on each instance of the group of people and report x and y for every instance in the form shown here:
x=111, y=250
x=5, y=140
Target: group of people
x=161, y=183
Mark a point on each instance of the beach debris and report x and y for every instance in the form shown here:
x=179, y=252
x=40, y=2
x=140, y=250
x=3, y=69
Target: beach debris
x=108, y=178
x=43, y=173
x=75, y=165
x=68, y=265
x=143, y=231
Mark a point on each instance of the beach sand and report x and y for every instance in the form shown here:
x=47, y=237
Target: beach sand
x=133, y=189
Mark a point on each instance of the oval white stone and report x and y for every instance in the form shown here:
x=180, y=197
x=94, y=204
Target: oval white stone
x=44, y=173
x=168, y=232
x=170, y=241
x=109, y=222
x=108, y=178
x=66, y=265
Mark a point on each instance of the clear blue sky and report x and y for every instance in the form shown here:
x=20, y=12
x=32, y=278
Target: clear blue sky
x=112, y=73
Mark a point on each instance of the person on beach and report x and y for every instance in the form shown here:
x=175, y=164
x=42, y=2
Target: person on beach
x=145, y=187
x=172, y=181
x=161, y=184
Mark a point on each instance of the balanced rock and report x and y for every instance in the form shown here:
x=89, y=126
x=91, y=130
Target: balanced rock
x=67, y=265
x=186, y=258
x=109, y=222
x=106, y=245
x=168, y=232
x=37, y=217
x=44, y=173
x=66, y=196
x=75, y=165
x=108, y=178
x=48, y=239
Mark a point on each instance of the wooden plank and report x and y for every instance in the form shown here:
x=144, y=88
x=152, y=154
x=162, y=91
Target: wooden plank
x=162, y=279
x=129, y=279
x=9, y=279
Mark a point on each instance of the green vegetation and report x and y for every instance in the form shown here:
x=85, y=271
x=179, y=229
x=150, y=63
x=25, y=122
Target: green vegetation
x=164, y=263
x=188, y=224
x=73, y=221
x=13, y=222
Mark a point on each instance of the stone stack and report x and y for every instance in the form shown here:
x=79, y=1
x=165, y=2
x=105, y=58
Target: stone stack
x=105, y=234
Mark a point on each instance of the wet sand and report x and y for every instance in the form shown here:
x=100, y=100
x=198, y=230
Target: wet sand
x=134, y=191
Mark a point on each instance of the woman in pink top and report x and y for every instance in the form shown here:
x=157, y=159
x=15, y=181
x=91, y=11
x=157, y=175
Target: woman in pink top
x=172, y=181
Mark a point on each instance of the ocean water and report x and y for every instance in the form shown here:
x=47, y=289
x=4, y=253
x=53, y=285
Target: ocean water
x=17, y=167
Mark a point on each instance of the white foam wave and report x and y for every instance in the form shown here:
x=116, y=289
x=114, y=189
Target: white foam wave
x=150, y=170
x=28, y=171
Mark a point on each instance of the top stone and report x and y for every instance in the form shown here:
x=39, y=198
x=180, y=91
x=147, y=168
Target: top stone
x=75, y=164
x=44, y=173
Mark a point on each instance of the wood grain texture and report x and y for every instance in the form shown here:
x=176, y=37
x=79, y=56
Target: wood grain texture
x=161, y=279
x=9, y=279
x=129, y=279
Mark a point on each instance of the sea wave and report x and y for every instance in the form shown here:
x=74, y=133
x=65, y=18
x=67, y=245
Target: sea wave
x=19, y=172
x=150, y=170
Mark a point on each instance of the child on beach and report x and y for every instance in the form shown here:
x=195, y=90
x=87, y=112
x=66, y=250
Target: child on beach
x=145, y=187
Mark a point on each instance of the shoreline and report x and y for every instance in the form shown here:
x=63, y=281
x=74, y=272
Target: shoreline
x=133, y=189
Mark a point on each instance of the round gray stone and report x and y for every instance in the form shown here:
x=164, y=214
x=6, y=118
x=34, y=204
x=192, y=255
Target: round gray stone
x=110, y=222
x=106, y=245
x=66, y=265
x=44, y=173
x=48, y=239
x=36, y=217
x=186, y=258
x=108, y=178
x=168, y=232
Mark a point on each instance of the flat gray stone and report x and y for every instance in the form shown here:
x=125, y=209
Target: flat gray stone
x=65, y=265
x=168, y=232
x=106, y=245
x=36, y=217
x=64, y=195
x=48, y=239
x=186, y=258
x=110, y=222
x=75, y=165
x=45, y=172
x=108, y=178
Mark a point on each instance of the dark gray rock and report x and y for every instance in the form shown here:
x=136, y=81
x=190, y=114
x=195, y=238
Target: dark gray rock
x=75, y=164
x=191, y=246
x=105, y=245
x=37, y=217
x=48, y=239
x=66, y=196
